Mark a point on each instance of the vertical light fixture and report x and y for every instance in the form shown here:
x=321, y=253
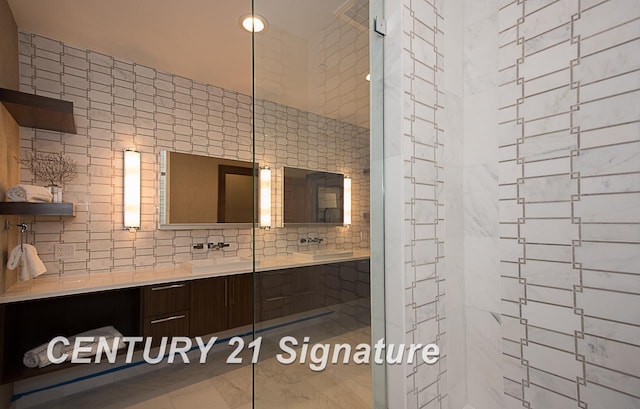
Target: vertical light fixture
x=131, y=206
x=347, y=201
x=265, y=198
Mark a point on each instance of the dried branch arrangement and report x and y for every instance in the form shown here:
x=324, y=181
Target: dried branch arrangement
x=50, y=167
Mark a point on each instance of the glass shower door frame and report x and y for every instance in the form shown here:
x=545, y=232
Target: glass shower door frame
x=376, y=186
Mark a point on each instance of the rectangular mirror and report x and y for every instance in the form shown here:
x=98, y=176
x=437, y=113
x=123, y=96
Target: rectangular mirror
x=313, y=197
x=200, y=191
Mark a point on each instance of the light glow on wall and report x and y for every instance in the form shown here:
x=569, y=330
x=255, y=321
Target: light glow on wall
x=265, y=198
x=253, y=23
x=131, y=203
x=347, y=201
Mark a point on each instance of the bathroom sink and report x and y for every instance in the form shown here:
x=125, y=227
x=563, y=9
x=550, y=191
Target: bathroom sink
x=220, y=264
x=323, y=254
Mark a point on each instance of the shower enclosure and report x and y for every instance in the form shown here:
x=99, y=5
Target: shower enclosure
x=313, y=140
x=256, y=130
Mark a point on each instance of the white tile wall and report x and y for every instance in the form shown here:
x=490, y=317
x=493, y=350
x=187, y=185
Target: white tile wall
x=118, y=104
x=569, y=146
x=415, y=136
x=547, y=174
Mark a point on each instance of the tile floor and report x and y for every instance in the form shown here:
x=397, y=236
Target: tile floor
x=223, y=386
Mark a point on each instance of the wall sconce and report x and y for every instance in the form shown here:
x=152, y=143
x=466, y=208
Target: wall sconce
x=131, y=204
x=347, y=201
x=265, y=198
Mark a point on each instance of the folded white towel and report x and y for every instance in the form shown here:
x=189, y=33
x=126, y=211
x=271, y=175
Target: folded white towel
x=37, y=357
x=29, y=193
x=26, y=256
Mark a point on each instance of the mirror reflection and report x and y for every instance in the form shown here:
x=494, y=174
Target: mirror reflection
x=197, y=189
x=313, y=196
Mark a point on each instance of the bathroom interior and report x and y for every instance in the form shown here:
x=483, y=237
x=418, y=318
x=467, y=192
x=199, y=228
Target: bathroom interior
x=454, y=172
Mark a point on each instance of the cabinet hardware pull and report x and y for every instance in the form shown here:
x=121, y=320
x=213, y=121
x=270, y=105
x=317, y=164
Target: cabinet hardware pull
x=275, y=298
x=167, y=287
x=175, y=317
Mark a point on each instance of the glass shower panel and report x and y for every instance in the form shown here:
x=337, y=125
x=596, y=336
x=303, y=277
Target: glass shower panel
x=312, y=280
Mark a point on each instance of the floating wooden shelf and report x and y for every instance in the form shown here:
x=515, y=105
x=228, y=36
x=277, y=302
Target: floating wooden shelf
x=35, y=111
x=41, y=209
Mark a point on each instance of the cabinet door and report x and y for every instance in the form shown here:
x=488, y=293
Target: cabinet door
x=209, y=306
x=241, y=300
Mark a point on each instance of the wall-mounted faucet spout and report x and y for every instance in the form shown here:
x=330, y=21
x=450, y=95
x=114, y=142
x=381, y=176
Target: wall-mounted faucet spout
x=217, y=246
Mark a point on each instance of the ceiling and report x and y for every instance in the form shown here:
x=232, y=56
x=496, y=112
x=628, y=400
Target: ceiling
x=203, y=40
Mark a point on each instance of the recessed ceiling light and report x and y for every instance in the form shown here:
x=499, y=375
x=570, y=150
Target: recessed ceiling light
x=253, y=23
x=368, y=77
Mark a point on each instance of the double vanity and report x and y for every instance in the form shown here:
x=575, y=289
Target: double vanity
x=197, y=298
x=202, y=296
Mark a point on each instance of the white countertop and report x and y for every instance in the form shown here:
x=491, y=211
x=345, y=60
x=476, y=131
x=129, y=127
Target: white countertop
x=78, y=284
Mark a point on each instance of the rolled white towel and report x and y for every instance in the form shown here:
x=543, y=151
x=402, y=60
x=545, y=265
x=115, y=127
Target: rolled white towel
x=37, y=357
x=108, y=332
x=29, y=193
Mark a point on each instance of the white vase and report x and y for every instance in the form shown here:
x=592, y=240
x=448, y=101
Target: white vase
x=56, y=192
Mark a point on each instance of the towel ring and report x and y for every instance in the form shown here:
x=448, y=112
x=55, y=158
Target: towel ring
x=23, y=229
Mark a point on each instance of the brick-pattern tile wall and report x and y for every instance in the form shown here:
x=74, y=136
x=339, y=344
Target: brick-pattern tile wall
x=118, y=105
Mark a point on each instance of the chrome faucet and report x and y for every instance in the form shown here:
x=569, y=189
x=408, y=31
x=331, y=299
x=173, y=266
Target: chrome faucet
x=311, y=240
x=217, y=246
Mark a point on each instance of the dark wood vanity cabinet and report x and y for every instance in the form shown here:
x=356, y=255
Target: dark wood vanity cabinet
x=295, y=290
x=221, y=303
x=198, y=307
x=185, y=308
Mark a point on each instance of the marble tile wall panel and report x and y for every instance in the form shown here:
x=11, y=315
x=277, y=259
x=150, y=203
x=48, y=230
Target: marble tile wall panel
x=570, y=164
x=417, y=119
x=423, y=143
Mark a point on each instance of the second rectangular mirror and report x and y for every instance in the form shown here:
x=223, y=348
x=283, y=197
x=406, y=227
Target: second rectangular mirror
x=313, y=197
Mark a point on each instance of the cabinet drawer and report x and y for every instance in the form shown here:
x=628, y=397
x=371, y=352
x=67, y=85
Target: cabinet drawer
x=273, y=307
x=165, y=298
x=168, y=325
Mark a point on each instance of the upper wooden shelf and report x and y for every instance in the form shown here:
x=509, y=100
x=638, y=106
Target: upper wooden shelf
x=35, y=111
x=41, y=209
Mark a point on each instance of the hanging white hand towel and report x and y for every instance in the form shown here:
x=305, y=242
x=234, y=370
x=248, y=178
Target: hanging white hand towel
x=35, y=266
x=26, y=256
x=16, y=260
x=29, y=193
